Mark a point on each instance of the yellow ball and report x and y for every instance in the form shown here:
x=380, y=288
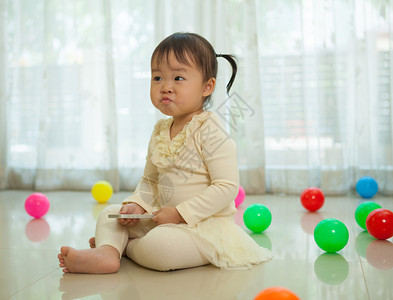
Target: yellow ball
x=102, y=191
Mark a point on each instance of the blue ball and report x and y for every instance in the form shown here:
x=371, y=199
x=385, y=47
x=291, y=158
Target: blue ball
x=367, y=187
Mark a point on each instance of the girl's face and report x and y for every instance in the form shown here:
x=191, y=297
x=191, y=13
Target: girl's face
x=178, y=89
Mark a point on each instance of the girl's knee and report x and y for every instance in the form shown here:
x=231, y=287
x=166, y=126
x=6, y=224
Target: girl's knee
x=166, y=248
x=111, y=209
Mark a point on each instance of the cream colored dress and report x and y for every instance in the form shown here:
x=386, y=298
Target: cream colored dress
x=197, y=172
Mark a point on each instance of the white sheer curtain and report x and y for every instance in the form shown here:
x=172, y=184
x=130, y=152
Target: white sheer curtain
x=312, y=103
x=326, y=82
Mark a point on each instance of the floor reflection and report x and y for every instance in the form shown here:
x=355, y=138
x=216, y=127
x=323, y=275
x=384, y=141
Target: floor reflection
x=207, y=282
x=262, y=240
x=331, y=268
x=37, y=230
x=379, y=254
x=363, y=239
x=76, y=286
x=98, y=208
x=309, y=220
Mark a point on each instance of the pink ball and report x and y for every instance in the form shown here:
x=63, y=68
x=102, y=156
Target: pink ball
x=37, y=205
x=240, y=196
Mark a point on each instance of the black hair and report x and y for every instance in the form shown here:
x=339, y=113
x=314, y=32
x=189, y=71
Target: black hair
x=186, y=46
x=231, y=59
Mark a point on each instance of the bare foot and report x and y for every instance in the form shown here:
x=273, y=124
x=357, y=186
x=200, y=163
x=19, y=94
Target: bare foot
x=102, y=260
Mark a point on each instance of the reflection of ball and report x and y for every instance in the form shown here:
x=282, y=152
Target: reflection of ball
x=379, y=223
x=102, y=191
x=309, y=220
x=312, y=198
x=367, y=187
x=278, y=293
x=37, y=230
x=331, y=268
x=363, y=239
x=37, y=205
x=240, y=196
x=262, y=240
x=379, y=254
x=98, y=208
x=363, y=211
x=257, y=217
x=331, y=235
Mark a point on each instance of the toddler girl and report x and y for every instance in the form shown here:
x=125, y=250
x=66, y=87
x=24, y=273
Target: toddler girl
x=190, y=179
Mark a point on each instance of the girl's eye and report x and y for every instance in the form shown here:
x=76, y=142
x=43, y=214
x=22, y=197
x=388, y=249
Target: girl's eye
x=178, y=78
x=157, y=78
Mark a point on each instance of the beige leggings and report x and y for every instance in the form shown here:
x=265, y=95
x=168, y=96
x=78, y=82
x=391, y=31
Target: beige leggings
x=161, y=248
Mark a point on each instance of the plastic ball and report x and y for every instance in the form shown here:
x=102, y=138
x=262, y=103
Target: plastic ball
x=331, y=235
x=257, y=217
x=363, y=211
x=102, y=191
x=379, y=223
x=37, y=205
x=278, y=293
x=240, y=196
x=367, y=187
x=312, y=198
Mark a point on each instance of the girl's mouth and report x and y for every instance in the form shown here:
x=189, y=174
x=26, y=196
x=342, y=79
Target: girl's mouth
x=166, y=100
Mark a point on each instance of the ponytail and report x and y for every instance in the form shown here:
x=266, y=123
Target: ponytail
x=231, y=59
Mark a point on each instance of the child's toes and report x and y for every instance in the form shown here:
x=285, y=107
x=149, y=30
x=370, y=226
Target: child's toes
x=92, y=242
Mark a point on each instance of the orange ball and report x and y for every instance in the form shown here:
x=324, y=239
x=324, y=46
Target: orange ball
x=276, y=293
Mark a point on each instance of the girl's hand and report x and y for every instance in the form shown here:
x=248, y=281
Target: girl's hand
x=131, y=208
x=167, y=214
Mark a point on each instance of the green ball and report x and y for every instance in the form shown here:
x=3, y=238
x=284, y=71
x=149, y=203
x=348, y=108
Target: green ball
x=363, y=211
x=331, y=235
x=257, y=217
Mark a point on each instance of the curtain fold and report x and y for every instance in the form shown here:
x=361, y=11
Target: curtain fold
x=311, y=104
x=247, y=104
x=3, y=102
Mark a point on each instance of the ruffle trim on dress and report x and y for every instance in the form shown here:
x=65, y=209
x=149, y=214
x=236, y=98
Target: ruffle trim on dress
x=163, y=150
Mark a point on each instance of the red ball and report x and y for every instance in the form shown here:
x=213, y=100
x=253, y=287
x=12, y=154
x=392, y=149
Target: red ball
x=276, y=293
x=312, y=198
x=379, y=223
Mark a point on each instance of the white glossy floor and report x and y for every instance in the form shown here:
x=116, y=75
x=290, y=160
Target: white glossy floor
x=29, y=266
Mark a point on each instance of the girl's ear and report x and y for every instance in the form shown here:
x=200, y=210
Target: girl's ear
x=209, y=87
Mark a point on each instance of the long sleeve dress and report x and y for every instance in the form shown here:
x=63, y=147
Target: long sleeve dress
x=197, y=172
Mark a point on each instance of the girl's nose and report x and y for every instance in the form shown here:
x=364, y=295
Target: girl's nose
x=166, y=88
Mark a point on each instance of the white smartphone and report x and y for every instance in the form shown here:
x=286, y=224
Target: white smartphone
x=130, y=216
